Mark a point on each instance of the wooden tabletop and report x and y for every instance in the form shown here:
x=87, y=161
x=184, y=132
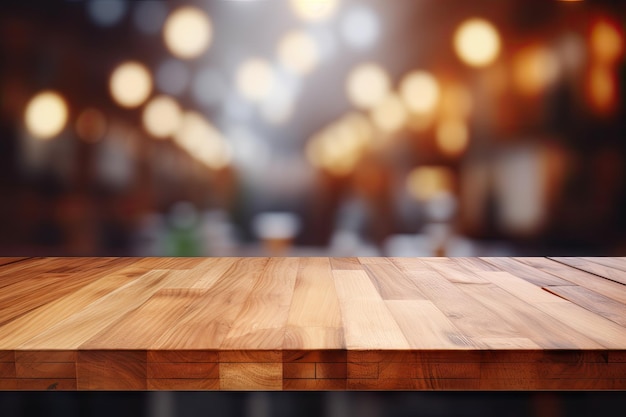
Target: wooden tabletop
x=312, y=323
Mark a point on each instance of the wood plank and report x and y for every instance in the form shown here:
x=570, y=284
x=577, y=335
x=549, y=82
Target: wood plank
x=391, y=283
x=593, y=326
x=314, y=337
x=614, y=263
x=23, y=297
x=314, y=302
x=401, y=370
x=251, y=376
x=261, y=322
x=207, y=322
x=50, y=370
x=35, y=322
x=179, y=384
x=608, y=288
x=209, y=271
x=522, y=289
x=594, y=268
x=314, y=384
x=76, y=329
x=574, y=370
x=532, y=275
x=111, y=370
x=529, y=320
x=592, y=301
x=454, y=271
x=187, y=370
x=142, y=327
x=467, y=314
x=11, y=260
x=426, y=327
x=169, y=263
x=345, y=263
x=367, y=322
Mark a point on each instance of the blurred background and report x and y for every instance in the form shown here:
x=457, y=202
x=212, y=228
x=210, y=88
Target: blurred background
x=312, y=127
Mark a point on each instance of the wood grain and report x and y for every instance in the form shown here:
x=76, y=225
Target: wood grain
x=312, y=323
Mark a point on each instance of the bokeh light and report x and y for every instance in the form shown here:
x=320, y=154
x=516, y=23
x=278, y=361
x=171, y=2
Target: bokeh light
x=255, y=79
x=456, y=101
x=106, y=13
x=149, y=16
x=91, y=125
x=187, y=32
x=202, y=141
x=389, y=115
x=278, y=106
x=602, y=89
x=130, y=84
x=367, y=85
x=314, y=10
x=534, y=69
x=298, y=52
x=161, y=116
x=360, y=28
x=420, y=92
x=172, y=77
x=338, y=148
x=606, y=41
x=477, y=42
x=209, y=87
x=427, y=182
x=46, y=115
x=452, y=136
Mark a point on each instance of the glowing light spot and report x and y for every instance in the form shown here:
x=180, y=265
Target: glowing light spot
x=389, y=115
x=427, y=182
x=106, y=13
x=367, y=85
x=477, y=42
x=314, y=10
x=602, y=89
x=360, y=28
x=209, y=87
x=338, y=148
x=607, y=41
x=452, y=137
x=255, y=79
x=534, y=69
x=420, y=92
x=456, y=101
x=130, y=84
x=149, y=16
x=187, y=32
x=202, y=141
x=46, y=115
x=278, y=106
x=161, y=117
x=172, y=77
x=91, y=125
x=298, y=52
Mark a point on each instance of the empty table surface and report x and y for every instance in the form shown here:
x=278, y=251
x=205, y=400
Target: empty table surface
x=312, y=323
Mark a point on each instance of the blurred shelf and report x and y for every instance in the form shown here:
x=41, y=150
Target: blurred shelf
x=312, y=323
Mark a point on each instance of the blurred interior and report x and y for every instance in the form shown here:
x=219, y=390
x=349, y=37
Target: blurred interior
x=312, y=128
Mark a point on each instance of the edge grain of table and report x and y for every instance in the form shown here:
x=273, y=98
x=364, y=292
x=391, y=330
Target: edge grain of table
x=312, y=323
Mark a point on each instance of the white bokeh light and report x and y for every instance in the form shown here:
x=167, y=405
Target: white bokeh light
x=187, y=32
x=149, y=16
x=209, y=87
x=172, y=77
x=106, y=13
x=360, y=28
